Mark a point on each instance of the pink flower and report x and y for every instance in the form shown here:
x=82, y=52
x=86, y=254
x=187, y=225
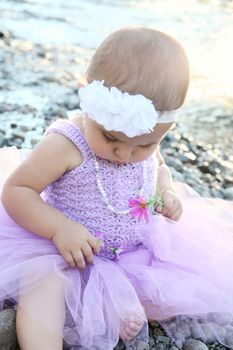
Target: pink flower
x=139, y=208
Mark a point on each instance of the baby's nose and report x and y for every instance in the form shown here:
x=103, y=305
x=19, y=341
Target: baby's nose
x=124, y=153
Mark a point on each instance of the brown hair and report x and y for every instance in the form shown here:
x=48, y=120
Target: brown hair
x=143, y=61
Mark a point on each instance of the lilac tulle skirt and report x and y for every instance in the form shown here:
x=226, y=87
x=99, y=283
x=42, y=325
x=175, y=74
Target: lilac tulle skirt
x=181, y=276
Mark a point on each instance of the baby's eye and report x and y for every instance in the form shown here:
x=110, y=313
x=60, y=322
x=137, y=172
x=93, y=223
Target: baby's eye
x=147, y=146
x=110, y=138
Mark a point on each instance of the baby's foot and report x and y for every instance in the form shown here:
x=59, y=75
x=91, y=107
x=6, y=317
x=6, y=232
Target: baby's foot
x=132, y=328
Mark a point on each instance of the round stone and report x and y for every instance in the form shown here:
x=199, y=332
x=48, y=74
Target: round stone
x=193, y=344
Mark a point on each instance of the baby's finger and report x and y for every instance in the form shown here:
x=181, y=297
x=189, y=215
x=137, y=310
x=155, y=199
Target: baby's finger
x=176, y=215
x=95, y=244
x=170, y=221
x=79, y=260
x=69, y=259
x=158, y=208
x=88, y=253
x=166, y=211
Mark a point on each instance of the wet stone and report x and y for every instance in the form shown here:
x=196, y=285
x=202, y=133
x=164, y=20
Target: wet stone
x=154, y=324
x=179, y=336
x=160, y=346
x=18, y=135
x=177, y=176
x=8, y=340
x=172, y=326
x=13, y=125
x=177, y=136
x=5, y=36
x=210, y=337
x=163, y=339
x=168, y=151
x=207, y=177
x=220, y=178
x=157, y=332
x=187, y=137
x=228, y=179
x=228, y=193
x=151, y=342
x=183, y=148
x=2, y=137
x=196, y=331
x=7, y=107
x=186, y=330
x=175, y=163
x=205, y=167
x=193, y=344
x=188, y=157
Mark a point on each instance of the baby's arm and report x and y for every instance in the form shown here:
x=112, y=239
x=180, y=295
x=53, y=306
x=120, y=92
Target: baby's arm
x=50, y=159
x=172, y=207
x=165, y=181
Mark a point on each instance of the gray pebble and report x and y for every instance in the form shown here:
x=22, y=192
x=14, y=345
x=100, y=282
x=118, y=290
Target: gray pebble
x=8, y=340
x=163, y=339
x=160, y=346
x=2, y=137
x=157, y=332
x=151, y=342
x=196, y=331
x=193, y=344
x=228, y=193
x=175, y=163
x=188, y=157
x=228, y=179
x=209, y=336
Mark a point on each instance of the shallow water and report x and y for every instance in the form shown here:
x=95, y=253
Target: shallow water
x=205, y=28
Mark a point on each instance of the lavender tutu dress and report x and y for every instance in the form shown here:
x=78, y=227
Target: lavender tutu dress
x=179, y=274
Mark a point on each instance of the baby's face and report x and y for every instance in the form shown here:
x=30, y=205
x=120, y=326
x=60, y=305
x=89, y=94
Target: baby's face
x=117, y=147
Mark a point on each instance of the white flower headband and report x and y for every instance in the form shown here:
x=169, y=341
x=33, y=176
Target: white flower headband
x=132, y=115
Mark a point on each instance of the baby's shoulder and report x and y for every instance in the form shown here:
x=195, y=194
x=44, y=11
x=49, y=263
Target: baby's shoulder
x=63, y=149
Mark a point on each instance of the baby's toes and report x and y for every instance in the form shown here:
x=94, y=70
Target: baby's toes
x=130, y=331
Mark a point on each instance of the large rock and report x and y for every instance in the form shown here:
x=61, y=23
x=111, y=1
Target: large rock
x=8, y=340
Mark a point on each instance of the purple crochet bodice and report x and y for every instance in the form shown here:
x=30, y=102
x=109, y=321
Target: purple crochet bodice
x=77, y=195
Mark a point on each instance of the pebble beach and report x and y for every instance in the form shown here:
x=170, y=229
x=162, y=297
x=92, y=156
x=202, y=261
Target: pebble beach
x=39, y=74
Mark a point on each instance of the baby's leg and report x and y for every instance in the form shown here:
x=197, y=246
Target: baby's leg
x=47, y=303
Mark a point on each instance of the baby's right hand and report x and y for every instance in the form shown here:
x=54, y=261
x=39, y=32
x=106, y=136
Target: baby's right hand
x=76, y=244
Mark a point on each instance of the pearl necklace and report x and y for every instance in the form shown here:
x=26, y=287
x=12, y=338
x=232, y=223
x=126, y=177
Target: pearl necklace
x=104, y=194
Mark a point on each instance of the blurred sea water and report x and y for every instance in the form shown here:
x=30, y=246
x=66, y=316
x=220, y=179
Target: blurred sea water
x=205, y=28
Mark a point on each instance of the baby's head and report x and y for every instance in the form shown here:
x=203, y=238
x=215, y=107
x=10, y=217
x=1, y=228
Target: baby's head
x=145, y=75
x=143, y=61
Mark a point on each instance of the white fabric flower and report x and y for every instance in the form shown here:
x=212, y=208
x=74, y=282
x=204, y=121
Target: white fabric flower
x=132, y=115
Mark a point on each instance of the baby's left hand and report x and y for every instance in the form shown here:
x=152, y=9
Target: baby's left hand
x=172, y=207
